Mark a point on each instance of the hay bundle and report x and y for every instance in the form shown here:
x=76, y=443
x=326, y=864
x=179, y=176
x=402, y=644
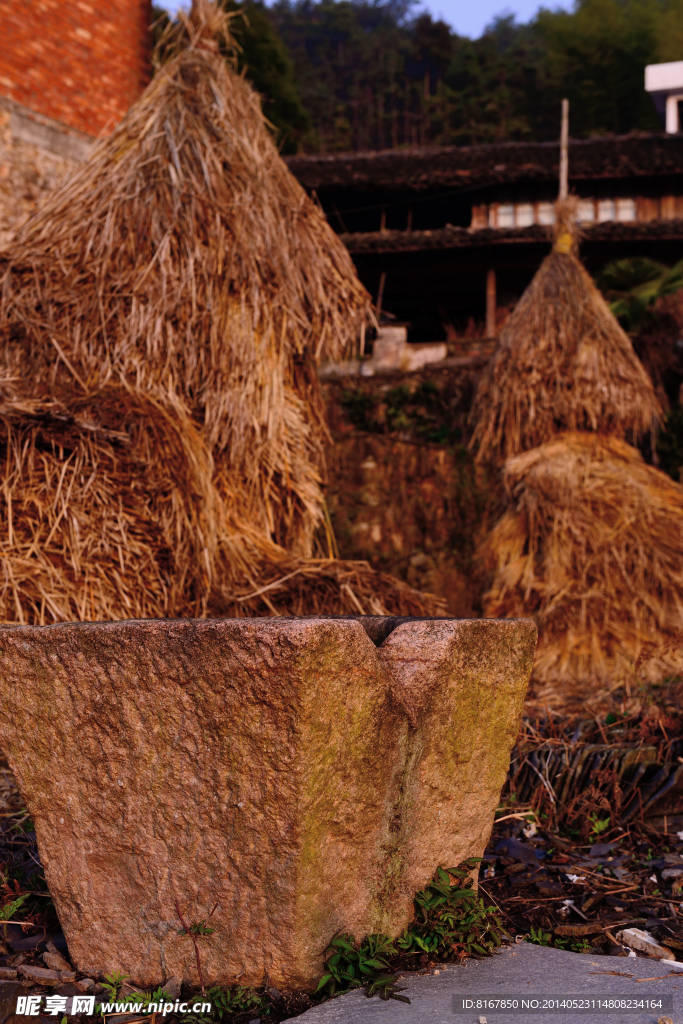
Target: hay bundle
x=592, y=547
x=96, y=525
x=161, y=421
x=562, y=362
x=184, y=258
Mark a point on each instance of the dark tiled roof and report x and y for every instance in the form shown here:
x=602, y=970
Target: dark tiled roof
x=627, y=156
x=457, y=238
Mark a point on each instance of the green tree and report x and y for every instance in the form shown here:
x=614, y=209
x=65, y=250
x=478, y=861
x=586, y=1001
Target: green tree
x=633, y=286
x=596, y=56
x=495, y=87
x=372, y=75
x=341, y=75
x=670, y=31
x=350, y=64
x=268, y=66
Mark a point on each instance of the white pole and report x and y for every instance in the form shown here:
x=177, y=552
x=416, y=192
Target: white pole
x=564, y=155
x=672, y=116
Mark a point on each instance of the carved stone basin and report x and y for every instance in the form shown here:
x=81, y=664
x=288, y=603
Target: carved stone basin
x=297, y=777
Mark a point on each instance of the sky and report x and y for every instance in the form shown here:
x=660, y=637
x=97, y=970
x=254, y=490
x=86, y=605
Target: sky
x=468, y=17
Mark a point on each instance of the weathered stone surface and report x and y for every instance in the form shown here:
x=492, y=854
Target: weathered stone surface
x=41, y=974
x=9, y=993
x=36, y=153
x=56, y=962
x=287, y=772
x=521, y=970
x=172, y=988
x=86, y=985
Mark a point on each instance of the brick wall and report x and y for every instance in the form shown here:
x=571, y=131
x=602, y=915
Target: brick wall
x=80, y=62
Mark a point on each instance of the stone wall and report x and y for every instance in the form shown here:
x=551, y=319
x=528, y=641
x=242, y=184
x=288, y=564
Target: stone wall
x=36, y=153
x=400, y=497
x=79, y=63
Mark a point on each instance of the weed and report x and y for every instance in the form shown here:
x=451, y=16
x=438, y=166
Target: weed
x=197, y=928
x=113, y=983
x=540, y=937
x=23, y=825
x=145, y=998
x=425, y=412
x=7, y=912
x=360, y=409
x=230, y=1002
x=574, y=945
x=598, y=825
x=237, y=1000
x=450, y=921
x=348, y=967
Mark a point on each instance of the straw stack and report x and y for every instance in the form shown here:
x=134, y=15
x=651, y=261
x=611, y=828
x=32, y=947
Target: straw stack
x=592, y=542
x=161, y=315
x=592, y=547
x=562, y=362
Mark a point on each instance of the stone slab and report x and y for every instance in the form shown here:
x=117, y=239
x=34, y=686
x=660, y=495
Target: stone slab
x=516, y=970
x=281, y=780
x=9, y=993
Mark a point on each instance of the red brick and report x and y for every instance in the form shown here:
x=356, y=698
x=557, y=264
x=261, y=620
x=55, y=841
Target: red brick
x=79, y=63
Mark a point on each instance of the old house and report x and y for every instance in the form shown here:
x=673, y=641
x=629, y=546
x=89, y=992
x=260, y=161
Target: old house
x=449, y=232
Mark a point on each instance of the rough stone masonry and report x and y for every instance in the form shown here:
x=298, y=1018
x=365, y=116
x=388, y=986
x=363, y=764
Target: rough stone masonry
x=278, y=779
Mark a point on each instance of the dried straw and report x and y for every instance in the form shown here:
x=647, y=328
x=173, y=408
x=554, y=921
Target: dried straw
x=592, y=547
x=161, y=421
x=94, y=523
x=562, y=362
x=184, y=258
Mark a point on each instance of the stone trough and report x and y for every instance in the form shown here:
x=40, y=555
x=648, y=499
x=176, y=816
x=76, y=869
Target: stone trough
x=280, y=780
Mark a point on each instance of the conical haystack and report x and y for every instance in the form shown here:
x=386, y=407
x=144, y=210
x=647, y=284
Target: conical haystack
x=562, y=362
x=592, y=547
x=161, y=315
x=592, y=543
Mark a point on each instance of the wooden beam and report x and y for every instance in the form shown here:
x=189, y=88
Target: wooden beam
x=491, y=304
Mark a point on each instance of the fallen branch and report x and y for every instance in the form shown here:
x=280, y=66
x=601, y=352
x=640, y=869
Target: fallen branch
x=592, y=927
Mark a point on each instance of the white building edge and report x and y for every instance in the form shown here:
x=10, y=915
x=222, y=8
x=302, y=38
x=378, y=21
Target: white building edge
x=664, y=82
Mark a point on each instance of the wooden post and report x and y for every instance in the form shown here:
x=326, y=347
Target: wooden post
x=380, y=294
x=564, y=154
x=491, y=304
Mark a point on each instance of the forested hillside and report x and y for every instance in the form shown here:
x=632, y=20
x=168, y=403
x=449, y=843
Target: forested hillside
x=356, y=74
